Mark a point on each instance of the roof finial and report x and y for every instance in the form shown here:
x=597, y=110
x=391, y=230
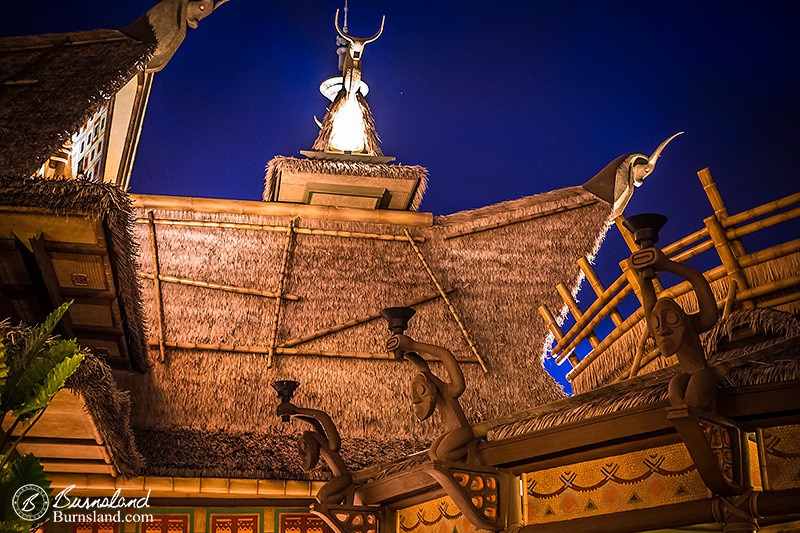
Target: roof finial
x=345, y=16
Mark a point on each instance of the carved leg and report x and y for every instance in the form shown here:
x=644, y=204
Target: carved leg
x=677, y=388
x=336, y=491
x=702, y=389
x=452, y=446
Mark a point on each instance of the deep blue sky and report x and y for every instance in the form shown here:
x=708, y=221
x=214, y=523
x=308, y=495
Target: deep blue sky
x=497, y=99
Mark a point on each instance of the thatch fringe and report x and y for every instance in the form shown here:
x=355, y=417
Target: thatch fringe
x=616, y=360
x=766, y=362
x=110, y=411
x=371, y=140
x=113, y=207
x=280, y=164
x=74, y=74
x=342, y=279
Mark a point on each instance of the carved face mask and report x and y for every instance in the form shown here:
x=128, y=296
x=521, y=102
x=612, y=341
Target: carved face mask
x=308, y=450
x=423, y=396
x=668, y=326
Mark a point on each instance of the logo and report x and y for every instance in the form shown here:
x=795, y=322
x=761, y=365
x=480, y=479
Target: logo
x=30, y=502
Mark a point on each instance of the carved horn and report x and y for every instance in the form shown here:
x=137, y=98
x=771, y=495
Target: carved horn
x=651, y=161
x=219, y=3
x=352, y=39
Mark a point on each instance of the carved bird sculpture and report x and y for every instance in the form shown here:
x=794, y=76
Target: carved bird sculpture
x=165, y=25
x=615, y=183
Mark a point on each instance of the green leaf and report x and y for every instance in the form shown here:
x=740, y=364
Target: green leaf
x=3, y=365
x=38, y=336
x=42, y=394
x=39, y=368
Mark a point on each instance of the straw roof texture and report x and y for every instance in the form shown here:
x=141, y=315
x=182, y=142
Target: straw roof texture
x=371, y=139
x=51, y=84
x=497, y=274
x=771, y=361
x=110, y=410
x=112, y=207
x=617, y=359
x=280, y=164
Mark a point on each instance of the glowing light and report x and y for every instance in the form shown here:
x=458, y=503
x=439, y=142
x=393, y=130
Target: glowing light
x=348, y=130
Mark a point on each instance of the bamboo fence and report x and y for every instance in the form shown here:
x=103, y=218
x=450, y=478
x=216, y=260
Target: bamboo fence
x=722, y=233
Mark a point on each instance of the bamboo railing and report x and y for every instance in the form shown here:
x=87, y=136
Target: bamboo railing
x=721, y=233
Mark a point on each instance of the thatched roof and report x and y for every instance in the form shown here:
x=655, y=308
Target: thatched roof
x=771, y=361
x=280, y=164
x=110, y=410
x=110, y=205
x=617, y=359
x=51, y=84
x=499, y=259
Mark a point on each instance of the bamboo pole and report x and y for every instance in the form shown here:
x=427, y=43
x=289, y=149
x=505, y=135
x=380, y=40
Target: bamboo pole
x=446, y=299
x=781, y=300
x=572, y=305
x=693, y=251
x=637, y=358
x=730, y=299
x=597, y=286
x=767, y=288
x=692, y=238
x=674, y=291
x=727, y=255
x=735, y=233
x=219, y=287
x=598, y=305
x=612, y=304
x=279, y=229
x=768, y=254
x=762, y=210
x=354, y=322
x=720, y=211
x=273, y=336
x=263, y=350
x=157, y=287
x=518, y=220
x=550, y=320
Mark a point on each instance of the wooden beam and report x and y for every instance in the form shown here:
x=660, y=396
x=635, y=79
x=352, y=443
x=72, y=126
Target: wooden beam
x=572, y=305
x=157, y=287
x=550, y=320
x=273, y=336
x=219, y=286
x=597, y=286
x=351, y=323
x=244, y=207
x=727, y=255
x=446, y=299
x=48, y=272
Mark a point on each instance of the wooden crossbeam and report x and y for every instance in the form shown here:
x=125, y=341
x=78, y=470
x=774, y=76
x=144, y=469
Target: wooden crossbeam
x=550, y=320
x=157, y=287
x=728, y=255
x=597, y=286
x=352, y=323
x=572, y=305
x=45, y=264
x=273, y=336
x=219, y=286
x=446, y=299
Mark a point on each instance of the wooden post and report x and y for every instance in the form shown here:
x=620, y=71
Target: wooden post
x=273, y=337
x=572, y=305
x=157, y=286
x=633, y=281
x=727, y=255
x=553, y=325
x=446, y=299
x=637, y=359
x=730, y=299
x=720, y=211
x=597, y=287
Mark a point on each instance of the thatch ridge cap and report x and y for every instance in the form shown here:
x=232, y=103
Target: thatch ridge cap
x=42, y=40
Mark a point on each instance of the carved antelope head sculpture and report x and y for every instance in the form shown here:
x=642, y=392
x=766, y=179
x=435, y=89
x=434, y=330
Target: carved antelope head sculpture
x=351, y=70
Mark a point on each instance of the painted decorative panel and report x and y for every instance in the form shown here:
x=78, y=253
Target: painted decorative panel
x=234, y=524
x=781, y=452
x=302, y=523
x=636, y=480
x=167, y=524
x=436, y=516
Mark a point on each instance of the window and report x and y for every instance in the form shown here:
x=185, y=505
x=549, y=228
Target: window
x=302, y=523
x=167, y=524
x=234, y=523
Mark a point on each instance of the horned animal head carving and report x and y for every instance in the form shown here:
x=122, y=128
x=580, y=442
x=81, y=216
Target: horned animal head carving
x=351, y=68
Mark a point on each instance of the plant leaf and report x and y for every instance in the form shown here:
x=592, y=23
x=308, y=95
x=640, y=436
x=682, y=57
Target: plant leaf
x=41, y=395
x=36, y=372
x=38, y=336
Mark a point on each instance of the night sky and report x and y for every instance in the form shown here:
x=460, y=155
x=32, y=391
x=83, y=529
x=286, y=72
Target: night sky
x=498, y=100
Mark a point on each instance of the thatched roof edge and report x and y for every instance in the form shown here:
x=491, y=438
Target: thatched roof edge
x=280, y=164
x=110, y=410
x=113, y=207
x=371, y=139
x=37, y=119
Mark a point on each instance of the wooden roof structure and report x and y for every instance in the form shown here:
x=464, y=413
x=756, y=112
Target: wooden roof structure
x=239, y=294
x=51, y=84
